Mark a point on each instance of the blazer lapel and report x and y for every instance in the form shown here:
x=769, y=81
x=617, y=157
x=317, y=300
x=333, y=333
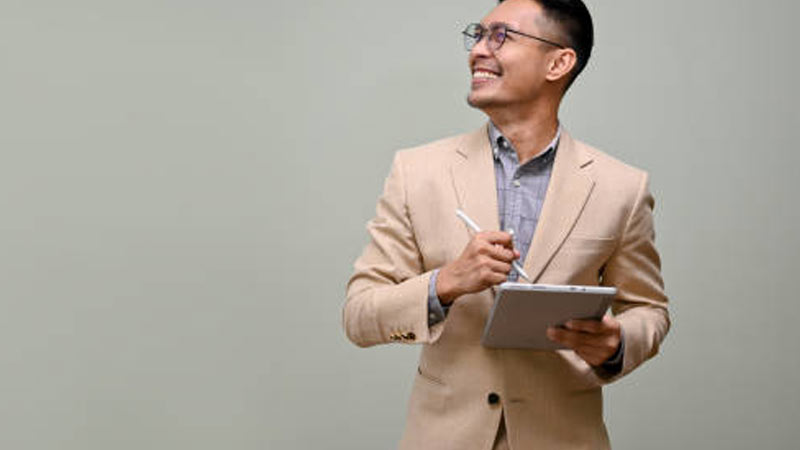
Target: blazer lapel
x=474, y=180
x=569, y=189
x=567, y=193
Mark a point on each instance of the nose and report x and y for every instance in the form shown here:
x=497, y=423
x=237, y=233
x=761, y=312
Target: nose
x=480, y=50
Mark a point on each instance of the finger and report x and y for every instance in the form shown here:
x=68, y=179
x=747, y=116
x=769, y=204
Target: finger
x=496, y=237
x=591, y=355
x=561, y=336
x=501, y=253
x=575, y=339
x=554, y=335
x=492, y=278
x=494, y=251
x=595, y=356
x=587, y=326
x=499, y=267
x=570, y=339
x=611, y=323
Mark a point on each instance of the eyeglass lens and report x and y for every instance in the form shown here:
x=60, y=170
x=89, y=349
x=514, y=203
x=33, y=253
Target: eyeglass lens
x=475, y=32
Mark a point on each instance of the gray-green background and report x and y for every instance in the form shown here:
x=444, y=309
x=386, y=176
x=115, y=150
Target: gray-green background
x=184, y=186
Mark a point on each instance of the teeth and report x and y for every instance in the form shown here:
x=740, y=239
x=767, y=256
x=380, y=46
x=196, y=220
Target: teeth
x=483, y=74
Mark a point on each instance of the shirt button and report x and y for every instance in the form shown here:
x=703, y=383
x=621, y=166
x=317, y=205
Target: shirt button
x=517, y=183
x=493, y=398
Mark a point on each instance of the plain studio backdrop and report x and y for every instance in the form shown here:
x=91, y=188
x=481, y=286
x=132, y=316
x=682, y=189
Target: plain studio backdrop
x=184, y=187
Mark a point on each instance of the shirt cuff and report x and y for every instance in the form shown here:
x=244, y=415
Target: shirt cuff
x=436, y=311
x=613, y=366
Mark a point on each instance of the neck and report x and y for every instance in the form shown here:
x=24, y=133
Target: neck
x=529, y=131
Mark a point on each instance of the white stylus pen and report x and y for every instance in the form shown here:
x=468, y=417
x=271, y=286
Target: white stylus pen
x=474, y=226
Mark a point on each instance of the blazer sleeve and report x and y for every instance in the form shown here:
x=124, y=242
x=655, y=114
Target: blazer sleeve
x=635, y=270
x=387, y=295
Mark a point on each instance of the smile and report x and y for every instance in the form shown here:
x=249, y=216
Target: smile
x=482, y=74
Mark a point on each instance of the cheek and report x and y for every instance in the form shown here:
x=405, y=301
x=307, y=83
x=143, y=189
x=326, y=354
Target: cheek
x=528, y=79
x=526, y=74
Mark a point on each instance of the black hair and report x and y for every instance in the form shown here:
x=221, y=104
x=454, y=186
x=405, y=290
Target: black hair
x=575, y=22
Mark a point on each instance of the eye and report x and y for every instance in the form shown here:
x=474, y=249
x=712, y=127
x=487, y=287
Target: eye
x=498, y=36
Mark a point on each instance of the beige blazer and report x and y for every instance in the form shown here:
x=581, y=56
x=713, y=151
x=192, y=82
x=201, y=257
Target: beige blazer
x=595, y=228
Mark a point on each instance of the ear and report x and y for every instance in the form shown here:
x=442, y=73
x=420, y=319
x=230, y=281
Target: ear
x=561, y=64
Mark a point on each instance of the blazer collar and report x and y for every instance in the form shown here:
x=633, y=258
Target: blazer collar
x=474, y=180
x=569, y=188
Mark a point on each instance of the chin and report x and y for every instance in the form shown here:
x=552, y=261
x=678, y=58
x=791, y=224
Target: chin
x=481, y=102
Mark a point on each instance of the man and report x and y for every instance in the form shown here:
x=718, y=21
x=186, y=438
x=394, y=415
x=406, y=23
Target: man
x=579, y=217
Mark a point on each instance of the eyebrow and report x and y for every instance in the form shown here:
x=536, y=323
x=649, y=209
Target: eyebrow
x=498, y=23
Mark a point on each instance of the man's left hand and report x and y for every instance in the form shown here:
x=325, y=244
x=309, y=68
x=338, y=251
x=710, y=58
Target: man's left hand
x=593, y=340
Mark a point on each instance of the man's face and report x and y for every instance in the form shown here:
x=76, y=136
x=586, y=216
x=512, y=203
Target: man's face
x=515, y=73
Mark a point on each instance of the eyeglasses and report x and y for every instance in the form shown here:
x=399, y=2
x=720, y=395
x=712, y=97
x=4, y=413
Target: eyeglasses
x=497, y=33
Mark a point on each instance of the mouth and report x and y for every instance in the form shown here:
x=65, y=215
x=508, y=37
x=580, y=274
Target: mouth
x=482, y=75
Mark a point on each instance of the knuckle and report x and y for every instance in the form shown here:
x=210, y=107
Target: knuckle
x=503, y=254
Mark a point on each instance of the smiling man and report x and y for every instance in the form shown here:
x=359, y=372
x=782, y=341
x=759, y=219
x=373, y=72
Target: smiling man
x=578, y=216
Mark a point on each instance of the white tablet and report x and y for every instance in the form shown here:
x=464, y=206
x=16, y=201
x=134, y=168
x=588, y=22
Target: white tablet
x=522, y=312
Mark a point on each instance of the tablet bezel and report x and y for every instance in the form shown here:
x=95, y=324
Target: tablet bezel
x=522, y=312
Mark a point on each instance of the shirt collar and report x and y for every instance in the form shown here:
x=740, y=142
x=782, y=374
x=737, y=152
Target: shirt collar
x=497, y=140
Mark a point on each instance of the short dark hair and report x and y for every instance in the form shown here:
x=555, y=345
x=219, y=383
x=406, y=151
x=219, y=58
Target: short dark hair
x=575, y=22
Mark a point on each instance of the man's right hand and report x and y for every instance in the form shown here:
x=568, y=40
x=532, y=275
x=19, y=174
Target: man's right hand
x=485, y=262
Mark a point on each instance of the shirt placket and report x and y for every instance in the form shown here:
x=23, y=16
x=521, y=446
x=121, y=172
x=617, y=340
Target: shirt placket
x=513, y=197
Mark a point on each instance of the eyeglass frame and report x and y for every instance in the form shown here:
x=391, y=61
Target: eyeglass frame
x=499, y=25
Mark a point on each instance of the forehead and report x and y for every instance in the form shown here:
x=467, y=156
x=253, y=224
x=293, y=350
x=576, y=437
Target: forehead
x=520, y=14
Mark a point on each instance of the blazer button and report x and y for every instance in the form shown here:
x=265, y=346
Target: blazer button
x=410, y=336
x=493, y=398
